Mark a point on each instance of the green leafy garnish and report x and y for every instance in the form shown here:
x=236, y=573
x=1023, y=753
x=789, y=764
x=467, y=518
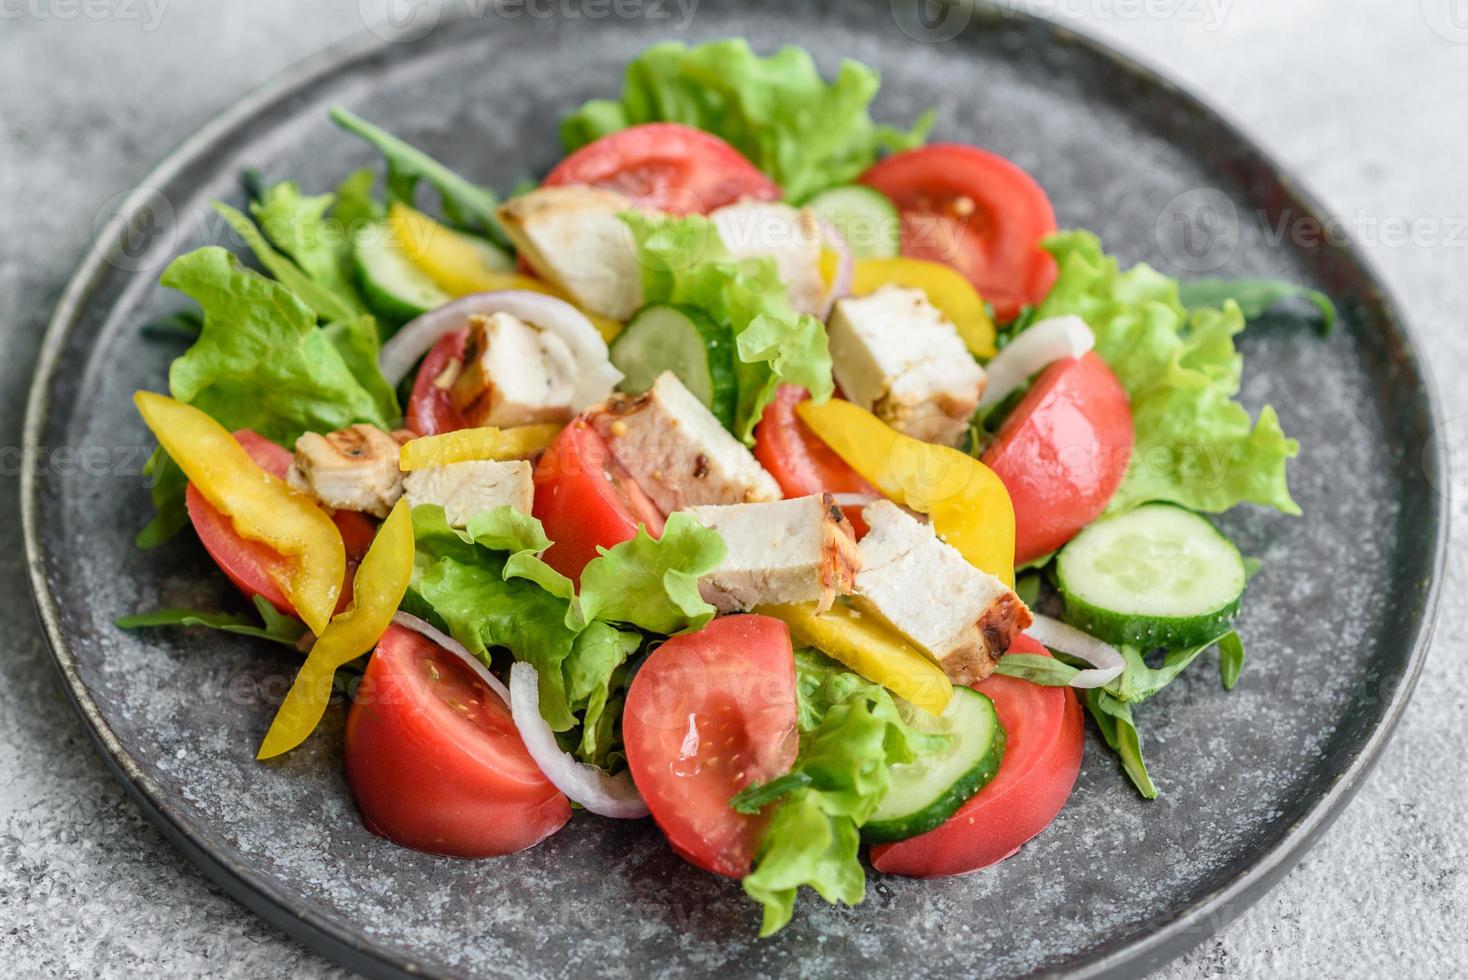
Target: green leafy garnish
x=652, y=583
x=851, y=736
x=1195, y=445
x=1114, y=718
x=274, y=626
x=684, y=262
x=261, y=363
x=318, y=244
x=1230, y=660
x=464, y=203
x=1260, y=297
x=806, y=133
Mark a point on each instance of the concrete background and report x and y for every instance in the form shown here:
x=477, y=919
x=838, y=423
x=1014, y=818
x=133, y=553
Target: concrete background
x=1363, y=98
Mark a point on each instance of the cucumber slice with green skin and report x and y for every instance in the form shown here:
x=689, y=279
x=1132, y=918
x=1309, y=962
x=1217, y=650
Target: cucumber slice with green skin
x=394, y=288
x=663, y=337
x=1157, y=576
x=928, y=791
x=495, y=258
x=864, y=216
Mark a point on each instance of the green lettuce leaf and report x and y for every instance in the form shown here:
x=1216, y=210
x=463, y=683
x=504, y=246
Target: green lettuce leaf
x=851, y=735
x=683, y=261
x=320, y=246
x=806, y=133
x=326, y=304
x=356, y=204
x=1195, y=445
x=652, y=583
x=260, y=362
x=1113, y=718
x=1259, y=298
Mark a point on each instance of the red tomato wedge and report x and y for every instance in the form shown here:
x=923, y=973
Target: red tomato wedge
x=977, y=212
x=1062, y=453
x=249, y=564
x=1045, y=728
x=434, y=759
x=709, y=713
x=799, y=461
x=666, y=167
x=585, y=499
x=430, y=407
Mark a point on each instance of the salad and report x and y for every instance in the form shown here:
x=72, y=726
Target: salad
x=761, y=469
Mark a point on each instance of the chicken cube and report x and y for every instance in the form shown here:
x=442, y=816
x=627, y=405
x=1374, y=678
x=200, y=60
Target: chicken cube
x=790, y=236
x=800, y=550
x=896, y=355
x=574, y=236
x=514, y=374
x=962, y=618
x=471, y=487
x=678, y=452
x=352, y=469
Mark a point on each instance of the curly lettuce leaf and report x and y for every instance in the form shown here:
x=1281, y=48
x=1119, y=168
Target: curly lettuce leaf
x=851, y=735
x=1195, y=445
x=683, y=261
x=805, y=133
x=319, y=245
x=260, y=362
x=652, y=583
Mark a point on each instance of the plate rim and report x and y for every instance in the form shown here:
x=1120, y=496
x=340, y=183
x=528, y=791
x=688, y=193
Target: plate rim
x=346, y=942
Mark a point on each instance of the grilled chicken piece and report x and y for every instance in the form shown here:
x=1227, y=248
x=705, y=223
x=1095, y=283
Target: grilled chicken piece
x=513, y=374
x=574, y=237
x=800, y=550
x=963, y=619
x=470, y=487
x=352, y=469
x=678, y=452
x=790, y=236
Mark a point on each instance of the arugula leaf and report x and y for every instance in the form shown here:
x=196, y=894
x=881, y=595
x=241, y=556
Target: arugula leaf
x=1258, y=297
x=841, y=774
x=182, y=325
x=358, y=343
x=805, y=133
x=168, y=488
x=1037, y=669
x=326, y=304
x=652, y=583
x=683, y=261
x=356, y=206
x=320, y=246
x=1195, y=445
x=1230, y=659
x=464, y=203
x=277, y=627
x=1114, y=718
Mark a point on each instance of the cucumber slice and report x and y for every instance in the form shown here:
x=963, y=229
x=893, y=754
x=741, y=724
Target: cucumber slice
x=494, y=258
x=394, y=288
x=1158, y=576
x=663, y=337
x=864, y=216
x=928, y=791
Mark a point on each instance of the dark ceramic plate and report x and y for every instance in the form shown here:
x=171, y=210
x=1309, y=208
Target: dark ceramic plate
x=1337, y=622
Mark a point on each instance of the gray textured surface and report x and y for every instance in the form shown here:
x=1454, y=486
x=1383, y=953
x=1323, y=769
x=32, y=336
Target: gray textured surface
x=85, y=885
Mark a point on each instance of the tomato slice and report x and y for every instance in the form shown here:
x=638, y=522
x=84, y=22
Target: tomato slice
x=250, y=565
x=586, y=500
x=434, y=759
x=1062, y=453
x=431, y=406
x=709, y=713
x=977, y=212
x=1046, y=736
x=799, y=461
x=667, y=167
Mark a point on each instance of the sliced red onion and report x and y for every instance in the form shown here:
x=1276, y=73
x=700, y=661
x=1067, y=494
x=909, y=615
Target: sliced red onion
x=457, y=649
x=610, y=796
x=1036, y=348
x=596, y=377
x=1106, y=661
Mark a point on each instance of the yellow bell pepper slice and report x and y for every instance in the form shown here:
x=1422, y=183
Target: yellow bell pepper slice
x=966, y=501
x=488, y=442
x=453, y=263
x=870, y=648
x=260, y=506
x=946, y=289
x=377, y=590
